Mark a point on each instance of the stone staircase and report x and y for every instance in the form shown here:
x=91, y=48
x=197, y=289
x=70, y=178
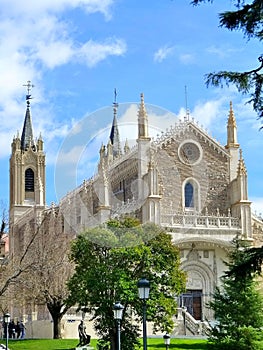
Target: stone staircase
x=187, y=325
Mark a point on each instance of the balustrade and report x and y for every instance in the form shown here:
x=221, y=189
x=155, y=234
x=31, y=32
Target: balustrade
x=200, y=221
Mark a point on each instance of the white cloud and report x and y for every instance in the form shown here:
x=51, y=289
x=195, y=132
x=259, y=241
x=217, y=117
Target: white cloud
x=55, y=53
x=187, y=58
x=206, y=112
x=32, y=8
x=161, y=54
x=221, y=51
x=93, y=52
x=36, y=37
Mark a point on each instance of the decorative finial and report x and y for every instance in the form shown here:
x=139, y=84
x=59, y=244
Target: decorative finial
x=115, y=96
x=29, y=86
x=241, y=164
x=115, y=104
x=186, y=104
x=231, y=117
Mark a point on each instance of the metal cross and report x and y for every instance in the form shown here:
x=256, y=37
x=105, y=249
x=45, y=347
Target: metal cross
x=29, y=86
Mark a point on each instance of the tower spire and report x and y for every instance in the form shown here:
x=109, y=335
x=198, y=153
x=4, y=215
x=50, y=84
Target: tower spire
x=142, y=120
x=114, y=134
x=232, y=145
x=231, y=129
x=27, y=139
x=27, y=169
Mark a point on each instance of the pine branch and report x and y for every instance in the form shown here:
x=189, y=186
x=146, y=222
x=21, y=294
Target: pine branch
x=245, y=82
x=249, y=266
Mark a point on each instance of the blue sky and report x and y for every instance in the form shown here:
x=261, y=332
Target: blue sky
x=76, y=52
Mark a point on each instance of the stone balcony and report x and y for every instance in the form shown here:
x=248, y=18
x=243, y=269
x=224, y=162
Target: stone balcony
x=189, y=224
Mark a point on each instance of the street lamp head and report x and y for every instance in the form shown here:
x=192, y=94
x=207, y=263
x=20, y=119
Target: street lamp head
x=118, y=310
x=7, y=317
x=143, y=288
x=166, y=339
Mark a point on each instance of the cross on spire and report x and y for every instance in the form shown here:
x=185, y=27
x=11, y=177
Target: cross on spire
x=29, y=86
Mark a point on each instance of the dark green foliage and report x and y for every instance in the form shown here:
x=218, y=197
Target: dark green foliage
x=251, y=264
x=110, y=261
x=238, y=308
x=248, y=18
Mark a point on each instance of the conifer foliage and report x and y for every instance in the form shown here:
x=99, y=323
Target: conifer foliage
x=247, y=18
x=238, y=309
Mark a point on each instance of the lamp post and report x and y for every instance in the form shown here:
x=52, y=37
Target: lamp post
x=7, y=320
x=117, y=311
x=144, y=289
x=166, y=339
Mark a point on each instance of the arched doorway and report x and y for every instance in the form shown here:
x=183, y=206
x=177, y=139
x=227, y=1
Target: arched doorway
x=199, y=289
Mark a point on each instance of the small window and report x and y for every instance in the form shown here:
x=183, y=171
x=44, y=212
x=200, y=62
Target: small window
x=29, y=180
x=206, y=253
x=189, y=195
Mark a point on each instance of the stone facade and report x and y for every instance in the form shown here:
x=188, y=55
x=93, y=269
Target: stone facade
x=183, y=180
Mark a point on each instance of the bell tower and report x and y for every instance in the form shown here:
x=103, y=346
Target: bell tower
x=27, y=169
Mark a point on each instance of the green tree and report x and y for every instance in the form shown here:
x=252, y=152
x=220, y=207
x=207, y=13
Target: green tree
x=238, y=308
x=251, y=264
x=109, y=261
x=248, y=18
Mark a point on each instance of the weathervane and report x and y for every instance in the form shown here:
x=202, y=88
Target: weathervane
x=115, y=104
x=29, y=86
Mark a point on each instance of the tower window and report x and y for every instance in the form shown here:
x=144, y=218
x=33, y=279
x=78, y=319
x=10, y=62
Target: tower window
x=29, y=180
x=189, y=195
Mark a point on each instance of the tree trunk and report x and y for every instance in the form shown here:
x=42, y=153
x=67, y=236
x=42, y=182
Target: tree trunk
x=56, y=314
x=57, y=326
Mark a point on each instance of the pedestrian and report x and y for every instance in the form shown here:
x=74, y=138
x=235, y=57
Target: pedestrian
x=18, y=330
x=22, y=330
x=12, y=330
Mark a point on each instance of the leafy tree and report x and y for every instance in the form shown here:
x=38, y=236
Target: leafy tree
x=109, y=262
x=248, y=18
x=238, y=308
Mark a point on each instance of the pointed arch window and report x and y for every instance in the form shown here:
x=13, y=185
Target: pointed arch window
x=191, y=200
x=29, y=180
x=189, y=195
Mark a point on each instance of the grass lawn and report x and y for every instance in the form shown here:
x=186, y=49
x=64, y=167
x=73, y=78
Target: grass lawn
x=69, y=344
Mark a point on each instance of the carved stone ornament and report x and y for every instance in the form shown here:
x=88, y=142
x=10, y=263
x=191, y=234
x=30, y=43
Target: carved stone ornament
x=189, y=152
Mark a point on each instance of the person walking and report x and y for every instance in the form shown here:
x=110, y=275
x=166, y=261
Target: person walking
x=22, y=330
x=18, y=330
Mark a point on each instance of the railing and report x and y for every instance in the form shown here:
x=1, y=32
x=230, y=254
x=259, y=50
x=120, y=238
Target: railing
x=196, y=327
x=200, y=221
x=125, y=207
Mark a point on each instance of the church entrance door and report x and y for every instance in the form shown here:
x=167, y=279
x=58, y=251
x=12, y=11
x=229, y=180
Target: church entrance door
x=192, y=300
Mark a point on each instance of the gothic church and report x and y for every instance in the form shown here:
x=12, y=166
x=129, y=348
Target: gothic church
x=183, y=180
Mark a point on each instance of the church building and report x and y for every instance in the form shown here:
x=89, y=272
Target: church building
x=183, y=180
